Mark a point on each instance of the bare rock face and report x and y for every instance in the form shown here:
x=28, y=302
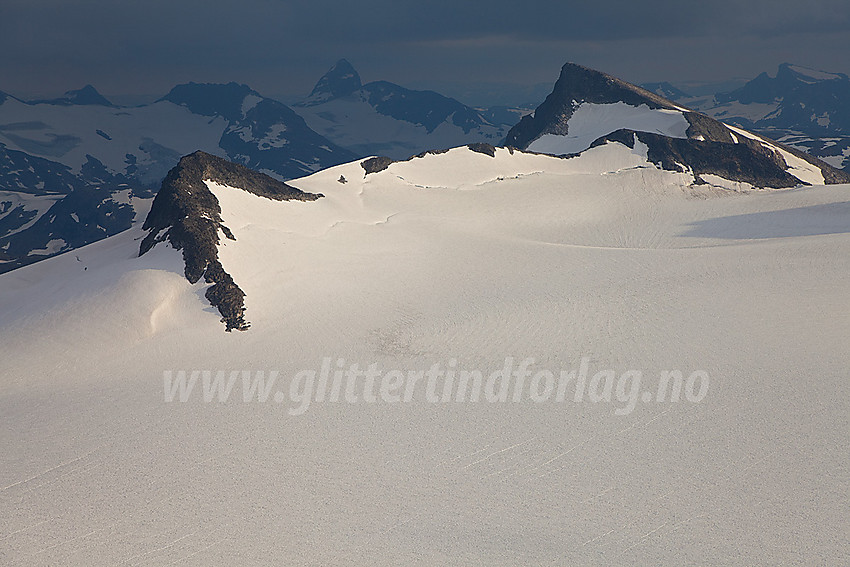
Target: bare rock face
x=482, y=148
x=186, y=214
x=376, y=164
x=739, y=162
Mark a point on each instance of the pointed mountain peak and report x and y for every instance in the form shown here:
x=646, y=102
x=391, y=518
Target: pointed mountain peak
x=577, y=85
x=186, y=214
x=340, y=80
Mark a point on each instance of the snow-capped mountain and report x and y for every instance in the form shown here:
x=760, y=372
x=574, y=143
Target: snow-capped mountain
x=588, y=107
x=382, y=118
x=813, y=102
x=803, y=107
x=260, y=133
x=72, y=168
x=135, y=430
x=144, y=142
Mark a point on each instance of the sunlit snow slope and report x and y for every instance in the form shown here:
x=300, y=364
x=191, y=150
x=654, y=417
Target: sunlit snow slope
x=458, y=256
x=592, y=121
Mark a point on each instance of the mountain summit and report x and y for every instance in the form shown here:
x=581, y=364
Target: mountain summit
x=577, y=85
x=587, y=108
x=187, y=215
x=341, y=80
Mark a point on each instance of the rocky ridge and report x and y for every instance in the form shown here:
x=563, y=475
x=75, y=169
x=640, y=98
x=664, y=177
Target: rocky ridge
x=187, y=215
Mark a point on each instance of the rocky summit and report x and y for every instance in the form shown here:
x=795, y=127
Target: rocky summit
x=187, y=215
x=588, y=107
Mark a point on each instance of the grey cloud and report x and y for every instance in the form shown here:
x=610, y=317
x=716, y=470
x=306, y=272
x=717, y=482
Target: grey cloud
x=284, y=45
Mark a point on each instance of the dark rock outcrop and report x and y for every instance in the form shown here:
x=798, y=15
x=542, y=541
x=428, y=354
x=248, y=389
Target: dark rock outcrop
x=737, y=162
x=703, y=127
x=211, y=99
x=380, y=163
x=482, y=148
x=187, y=214
x=376, y=164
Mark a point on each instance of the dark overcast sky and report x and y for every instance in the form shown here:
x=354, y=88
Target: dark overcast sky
x=460, y=47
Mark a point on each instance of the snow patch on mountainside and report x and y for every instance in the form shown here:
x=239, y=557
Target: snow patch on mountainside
x=33, y=206
x=591, y=121
x=249, y=102
x=53, y=246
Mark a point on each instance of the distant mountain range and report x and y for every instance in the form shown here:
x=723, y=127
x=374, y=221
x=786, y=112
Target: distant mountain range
x=382, y=118
x=78, y=168
x=802, y=107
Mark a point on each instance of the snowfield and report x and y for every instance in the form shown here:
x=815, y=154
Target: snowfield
x=453, y=257
x=591, y=121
